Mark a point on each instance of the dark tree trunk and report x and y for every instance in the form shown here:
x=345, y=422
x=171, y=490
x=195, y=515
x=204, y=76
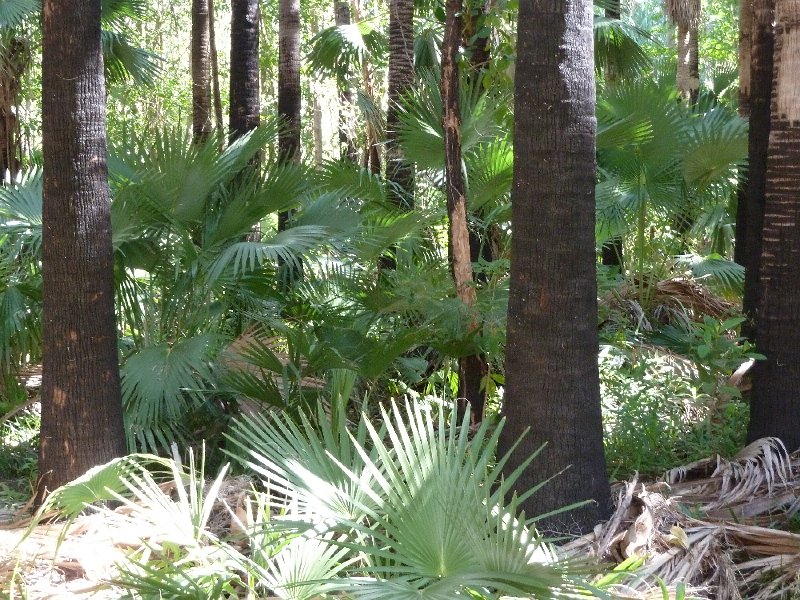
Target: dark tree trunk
x=552, y=382
x=399, y=171
x=750, y=215
x=289, y=85
x=347, y=146
x=245, y=103
x=15, y=58
x=473, y=38
x=201, y=71
x=212, y=38
x=774, y=405
x=81, y=406
x=470, y=368
x=745, y=49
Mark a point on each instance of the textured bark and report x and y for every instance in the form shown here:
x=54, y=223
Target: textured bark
x=688, y=77
x=478, y=48
x=399, y=171
x=552, y=382
x=289, y=85
x=751, y=218
x=745, y=49
x=470, y=367
x=245, y=102
x=775, y=408
x=347, y=146
x=15, y=58
x=201, y=71
x=212, y=39
x=81, y=406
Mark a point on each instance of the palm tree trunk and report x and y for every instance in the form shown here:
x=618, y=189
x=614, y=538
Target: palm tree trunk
x=471, y=368
x=81, y=404
x=775, y=409
x=688, y=77
x=346, y=145
x=745, y=49
x=212, y=38
x=245, y=111
x=401, y=78
x=15, y=58
x=201, y=72
x=752, y=209
x=289, y=85
x=552, y=381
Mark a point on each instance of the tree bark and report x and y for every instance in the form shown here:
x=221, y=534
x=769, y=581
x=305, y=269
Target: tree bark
x=688, y=77
x=745, y=50
x=245, y=111
x=752, y=210
x=212, y=38
x=289, y=85
x=470, y=367
x=775, y=408
x=201, y=71
x=81, y=406
x=15, y=58
x=399, y=171
x=552, y=381
x=347, y=146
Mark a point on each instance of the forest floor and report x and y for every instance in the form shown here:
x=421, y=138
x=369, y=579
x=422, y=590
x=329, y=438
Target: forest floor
x=726, y=528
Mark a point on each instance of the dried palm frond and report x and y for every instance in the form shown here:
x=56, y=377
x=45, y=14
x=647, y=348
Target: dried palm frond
x=705, y=525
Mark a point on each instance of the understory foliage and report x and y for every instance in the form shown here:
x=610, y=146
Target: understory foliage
x=410, y=505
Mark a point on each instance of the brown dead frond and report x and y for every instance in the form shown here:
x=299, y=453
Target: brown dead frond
x=710, y=525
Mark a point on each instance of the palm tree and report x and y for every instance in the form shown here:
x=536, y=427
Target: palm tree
x=81, y=405
x=346, y=145
x=245, y=110
x=289, y=98
x=750, y=212
x=122, y=61
x=201, y=70
x=401, y=78
x=686, y=15
x=552, y=381
x=775, y=410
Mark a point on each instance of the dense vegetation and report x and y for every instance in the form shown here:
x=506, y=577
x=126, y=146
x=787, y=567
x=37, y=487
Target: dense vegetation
x=298, y=305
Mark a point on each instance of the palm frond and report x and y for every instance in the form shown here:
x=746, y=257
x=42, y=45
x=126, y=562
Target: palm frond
x=286, y=247
x=616, y=47
x=337, y=51
x=725, y=273
x=161, y=383
x=15, y=12
x=124, y=61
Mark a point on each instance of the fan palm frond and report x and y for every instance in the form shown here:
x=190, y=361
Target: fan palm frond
x=337, y=51
x=124, y=61
x=616, y=47
x=15, y=12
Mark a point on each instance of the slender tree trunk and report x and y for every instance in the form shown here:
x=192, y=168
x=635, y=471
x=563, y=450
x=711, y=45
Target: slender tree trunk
x=245, y=113
x=346, y=145
x=371, y=158
x=775, y=407
x=399, y=171
x=612, y=252
x=470, y=367
x=761, y=67
x=81, y=407
x=745, y=49
x=212, y=38
x=289, y=85
x=15, y=58
x=552, y=382
x=201, y=71
x=475, y=34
